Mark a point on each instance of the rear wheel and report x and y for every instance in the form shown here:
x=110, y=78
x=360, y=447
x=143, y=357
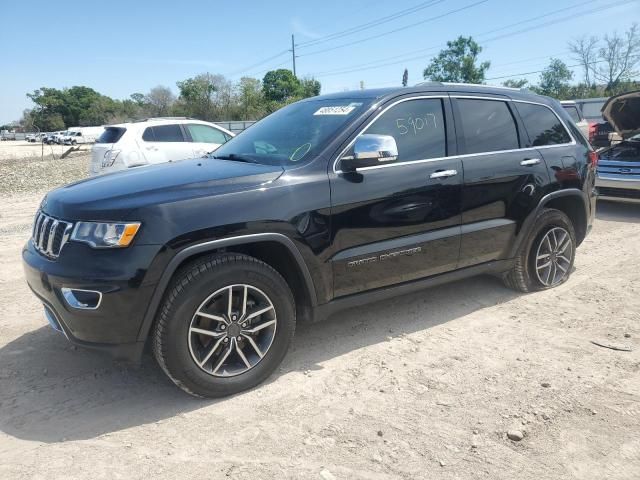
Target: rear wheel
x=546, y=257
x=225, y=325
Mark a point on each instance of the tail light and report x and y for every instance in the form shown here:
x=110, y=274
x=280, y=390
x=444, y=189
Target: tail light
x=593, y=158
x=593, y=130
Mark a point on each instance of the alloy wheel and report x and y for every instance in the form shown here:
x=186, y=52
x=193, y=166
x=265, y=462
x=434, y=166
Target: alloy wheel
x=553, y=257
x=232, y=330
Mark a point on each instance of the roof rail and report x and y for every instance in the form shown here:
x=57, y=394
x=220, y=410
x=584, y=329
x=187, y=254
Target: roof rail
x=482, y=85
x=164, y=118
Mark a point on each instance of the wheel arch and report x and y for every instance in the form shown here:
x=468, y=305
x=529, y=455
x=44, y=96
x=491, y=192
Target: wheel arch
x=571, y=202
x=275, y=249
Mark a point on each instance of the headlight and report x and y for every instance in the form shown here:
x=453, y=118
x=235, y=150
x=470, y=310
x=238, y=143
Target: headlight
x=105, y=235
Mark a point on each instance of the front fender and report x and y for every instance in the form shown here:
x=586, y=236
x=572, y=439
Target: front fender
x=210, y=246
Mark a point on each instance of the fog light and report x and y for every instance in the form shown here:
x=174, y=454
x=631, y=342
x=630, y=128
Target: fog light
x=82, y=299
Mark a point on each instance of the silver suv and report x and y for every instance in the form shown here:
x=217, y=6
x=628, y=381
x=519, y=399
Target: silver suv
x=619, y=166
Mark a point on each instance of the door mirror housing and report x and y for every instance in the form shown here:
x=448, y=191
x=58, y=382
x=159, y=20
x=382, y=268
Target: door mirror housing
x=370, y=150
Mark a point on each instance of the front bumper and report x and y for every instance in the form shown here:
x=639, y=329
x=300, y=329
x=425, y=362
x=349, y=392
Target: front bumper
x=618, y=188
x=117, y=274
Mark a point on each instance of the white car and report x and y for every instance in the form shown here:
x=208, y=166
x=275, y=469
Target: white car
x=576, y=115
x=155, y=140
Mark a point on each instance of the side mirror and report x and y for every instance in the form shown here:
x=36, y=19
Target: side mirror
x=370, y=150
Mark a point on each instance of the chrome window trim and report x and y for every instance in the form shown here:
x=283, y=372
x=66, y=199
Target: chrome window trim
x=372, y=121
x=464, y=155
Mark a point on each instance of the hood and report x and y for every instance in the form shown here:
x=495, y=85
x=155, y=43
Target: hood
x=623, y=113
x=113, y=196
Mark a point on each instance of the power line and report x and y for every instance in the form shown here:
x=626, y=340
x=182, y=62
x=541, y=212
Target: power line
x=425, y=50
x=389, y=32
x=376, y=64
x=262, y=62
x=540, y=71
x=368, y=25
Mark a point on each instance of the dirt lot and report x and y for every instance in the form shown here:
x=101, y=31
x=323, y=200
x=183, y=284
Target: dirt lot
x=423, y=386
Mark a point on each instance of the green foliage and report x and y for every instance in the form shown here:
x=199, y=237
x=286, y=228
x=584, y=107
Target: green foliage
x=280, y=85
x=554, y=80
x=458, y=63
x=206, y=96
x=511, y=83
x=310, y=87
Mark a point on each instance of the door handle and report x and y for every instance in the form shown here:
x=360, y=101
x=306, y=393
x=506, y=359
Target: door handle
x=444, y=174
x=529, y=162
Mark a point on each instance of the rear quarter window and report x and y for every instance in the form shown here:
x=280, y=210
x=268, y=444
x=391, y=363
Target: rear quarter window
x=543, y=125
x=163, y=133
x=111, y=135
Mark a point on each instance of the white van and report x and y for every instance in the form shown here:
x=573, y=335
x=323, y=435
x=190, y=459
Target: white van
x=80, y=135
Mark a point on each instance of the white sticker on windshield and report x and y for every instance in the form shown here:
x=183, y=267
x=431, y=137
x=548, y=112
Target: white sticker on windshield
x=342, y=110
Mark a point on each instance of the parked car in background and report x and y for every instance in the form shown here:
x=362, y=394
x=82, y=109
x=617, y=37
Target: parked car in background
x=82, y=135
x=49, y=138
x=575, y=113
x=154, y=140
x=31, y=137
x=599, y=128
x=619, y=166
x=332, y=202
x=7, y=135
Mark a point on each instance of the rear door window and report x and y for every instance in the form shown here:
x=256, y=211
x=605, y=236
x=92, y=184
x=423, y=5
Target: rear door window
x=543, y=125
x=206, y=134
x=168, y=133
x=487, y=126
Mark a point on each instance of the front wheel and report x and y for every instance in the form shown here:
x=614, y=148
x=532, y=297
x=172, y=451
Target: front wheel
x=546, y=257
x=225, y=325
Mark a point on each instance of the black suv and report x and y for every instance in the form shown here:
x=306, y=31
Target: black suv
x=330, y=202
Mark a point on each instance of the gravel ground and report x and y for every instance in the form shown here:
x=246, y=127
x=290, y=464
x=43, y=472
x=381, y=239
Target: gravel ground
x=31, y=175
x=464, y=381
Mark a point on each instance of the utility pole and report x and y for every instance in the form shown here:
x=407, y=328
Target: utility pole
x=293, y=54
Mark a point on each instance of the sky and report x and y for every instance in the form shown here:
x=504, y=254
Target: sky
x=121, y=47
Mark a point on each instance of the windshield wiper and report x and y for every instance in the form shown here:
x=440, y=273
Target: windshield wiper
x=235, y=158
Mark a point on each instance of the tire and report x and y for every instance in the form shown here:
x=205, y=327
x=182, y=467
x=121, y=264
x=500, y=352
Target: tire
x=529, y=273
x=202, y=287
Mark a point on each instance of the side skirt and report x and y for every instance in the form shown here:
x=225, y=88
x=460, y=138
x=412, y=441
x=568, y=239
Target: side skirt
x=322, y=312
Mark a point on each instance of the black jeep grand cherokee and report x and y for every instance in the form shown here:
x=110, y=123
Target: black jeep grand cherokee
x=331, y=202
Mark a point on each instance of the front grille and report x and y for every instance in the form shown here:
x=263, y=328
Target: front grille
x=619, y=192
x=50, y=234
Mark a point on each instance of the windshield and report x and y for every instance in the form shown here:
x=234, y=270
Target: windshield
x=293, y=134
x=592, y=109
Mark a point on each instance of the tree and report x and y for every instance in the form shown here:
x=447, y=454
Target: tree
x=619, y=57
x=584, y=51
x=138, y=98
x=197, y=96
x=405, y=78
x=251, y=98
x=554, y=80
x=280, y=85
x=458, y=63
x=512, y=83
x=310, y=87
x=159, y=100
